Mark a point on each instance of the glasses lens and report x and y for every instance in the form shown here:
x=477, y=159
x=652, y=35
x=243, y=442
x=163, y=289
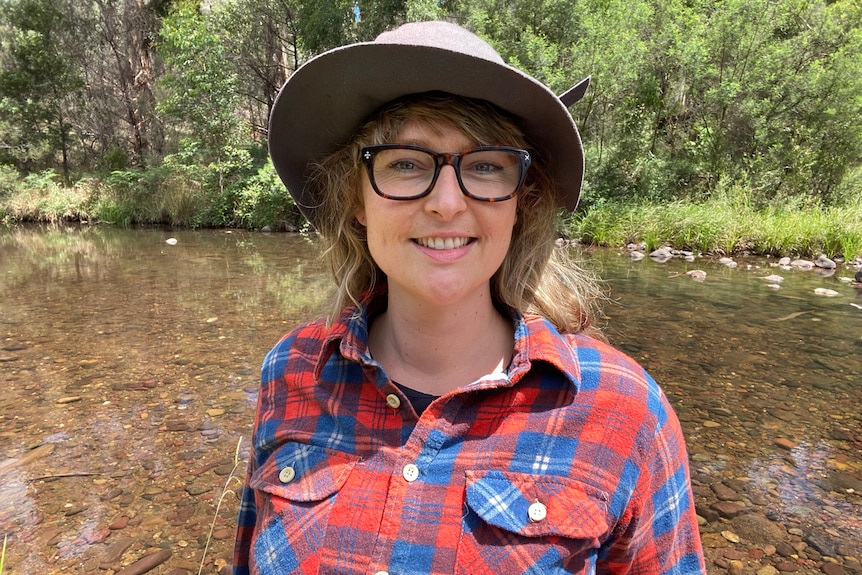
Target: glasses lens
x=402, y=172
x=491, y=174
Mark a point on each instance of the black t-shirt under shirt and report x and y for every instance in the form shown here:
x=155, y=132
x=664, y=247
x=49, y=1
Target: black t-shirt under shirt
x=419, y=400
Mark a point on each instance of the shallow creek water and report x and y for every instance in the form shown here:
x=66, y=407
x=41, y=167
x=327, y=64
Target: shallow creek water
x=129, y=370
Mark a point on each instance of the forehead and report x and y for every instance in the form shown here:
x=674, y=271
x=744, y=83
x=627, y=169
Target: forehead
x=434, y=135
x=479, y=122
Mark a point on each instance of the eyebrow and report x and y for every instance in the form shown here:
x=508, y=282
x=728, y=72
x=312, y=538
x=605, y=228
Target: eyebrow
x=424, y=144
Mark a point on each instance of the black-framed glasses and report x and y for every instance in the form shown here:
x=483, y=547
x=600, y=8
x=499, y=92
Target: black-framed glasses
x=405, y=172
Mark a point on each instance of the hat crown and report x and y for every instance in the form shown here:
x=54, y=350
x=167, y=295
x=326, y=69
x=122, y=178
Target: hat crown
x=443, y=35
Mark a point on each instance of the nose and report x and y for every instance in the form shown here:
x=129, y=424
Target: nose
x=446, y=199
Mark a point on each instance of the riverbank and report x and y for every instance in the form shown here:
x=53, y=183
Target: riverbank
x=728, y=223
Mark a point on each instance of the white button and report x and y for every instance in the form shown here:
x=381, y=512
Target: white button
x=537, y=512
x=410, y=472
x=287, y=474
x=382, y=573
x=393, y=401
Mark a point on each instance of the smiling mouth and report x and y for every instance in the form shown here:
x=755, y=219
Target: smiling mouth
x=442, y=243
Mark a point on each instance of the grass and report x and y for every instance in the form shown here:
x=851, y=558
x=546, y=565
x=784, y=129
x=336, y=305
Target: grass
x=725, y=227
x=231, y=477
x=180, y=196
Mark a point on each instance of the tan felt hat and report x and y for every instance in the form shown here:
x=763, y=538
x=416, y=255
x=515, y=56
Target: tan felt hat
x=325, y=101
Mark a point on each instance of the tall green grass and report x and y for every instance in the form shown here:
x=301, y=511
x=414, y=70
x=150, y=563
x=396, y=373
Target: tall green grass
x=719, y=226
x=172, y=194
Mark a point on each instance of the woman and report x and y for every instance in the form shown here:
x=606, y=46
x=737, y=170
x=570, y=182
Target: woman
x=455, y=413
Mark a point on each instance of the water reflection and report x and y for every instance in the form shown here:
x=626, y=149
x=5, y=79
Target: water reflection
x=130, y=365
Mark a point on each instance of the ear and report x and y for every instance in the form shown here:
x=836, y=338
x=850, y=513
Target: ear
x=360, y=216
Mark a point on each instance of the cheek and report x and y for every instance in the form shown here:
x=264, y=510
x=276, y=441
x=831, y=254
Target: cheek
x=367, y=197
x=511, y=218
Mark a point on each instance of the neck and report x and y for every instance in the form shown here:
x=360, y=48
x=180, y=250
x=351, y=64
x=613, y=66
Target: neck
x=436, y=349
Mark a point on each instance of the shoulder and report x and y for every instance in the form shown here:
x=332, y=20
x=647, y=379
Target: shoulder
x=303, y=335
x=303, y=343
x=601, y=359
x=590, y=363
x=611, y=377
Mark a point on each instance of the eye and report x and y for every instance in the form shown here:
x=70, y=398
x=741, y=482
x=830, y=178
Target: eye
x=402, y=165
x=404, y=161
x=484, y=167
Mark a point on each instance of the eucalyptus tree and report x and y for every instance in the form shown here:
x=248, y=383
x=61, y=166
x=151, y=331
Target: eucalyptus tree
x=563, y=41
x=198, y=87
x=689, y=98
x=266, y=40
x=122, y=71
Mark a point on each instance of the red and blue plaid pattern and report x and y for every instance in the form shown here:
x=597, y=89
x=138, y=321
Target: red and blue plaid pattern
x=341, y=482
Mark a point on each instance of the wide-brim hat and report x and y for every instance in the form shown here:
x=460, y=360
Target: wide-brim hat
x=327, y=99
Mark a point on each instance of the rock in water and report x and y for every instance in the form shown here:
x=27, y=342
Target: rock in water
x=147, y=563
x=825, y=263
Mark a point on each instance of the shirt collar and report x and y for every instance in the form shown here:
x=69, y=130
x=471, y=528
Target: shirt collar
x=536, y=340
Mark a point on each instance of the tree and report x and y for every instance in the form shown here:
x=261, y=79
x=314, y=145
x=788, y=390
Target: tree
x=38, y=85
x=772, y=102
x=129, y=65
x=266, y=40
x=199, y=84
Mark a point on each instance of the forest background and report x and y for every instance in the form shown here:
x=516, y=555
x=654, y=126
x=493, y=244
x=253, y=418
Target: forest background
x=720, y=126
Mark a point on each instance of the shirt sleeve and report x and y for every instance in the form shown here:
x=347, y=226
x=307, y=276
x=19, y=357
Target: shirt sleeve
x=658, y=534
x=245, y=524
x=268, y=415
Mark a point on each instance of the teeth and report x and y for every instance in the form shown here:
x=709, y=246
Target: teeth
x=443, y=243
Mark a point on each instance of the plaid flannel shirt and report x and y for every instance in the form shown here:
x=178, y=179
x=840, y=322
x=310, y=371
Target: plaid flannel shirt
x=571, y=462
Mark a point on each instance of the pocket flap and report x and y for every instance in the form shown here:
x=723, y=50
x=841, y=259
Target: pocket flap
x=567, y=508
x=300, y=472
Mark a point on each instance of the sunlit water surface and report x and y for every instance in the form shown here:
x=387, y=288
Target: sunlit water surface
x=129, y=368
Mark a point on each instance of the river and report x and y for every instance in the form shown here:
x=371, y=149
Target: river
x=129, y=367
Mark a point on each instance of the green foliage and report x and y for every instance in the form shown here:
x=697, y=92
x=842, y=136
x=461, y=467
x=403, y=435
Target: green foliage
x=39, y=197
x=375, y=16
x=133, y=196
x=263, y=201
x=9, y=179
x=691, y=102
x=201, y=95
x=727, y=223
x=37, y=81
x=114, y=159
x=422, y=10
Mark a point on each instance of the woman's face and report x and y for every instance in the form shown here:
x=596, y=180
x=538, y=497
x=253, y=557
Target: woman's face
x=441, y=249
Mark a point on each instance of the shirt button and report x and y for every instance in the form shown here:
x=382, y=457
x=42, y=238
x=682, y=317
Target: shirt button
x=537, y=512
x=382, y=573
x=393, y=401
x=287, y=474
x=410, y=472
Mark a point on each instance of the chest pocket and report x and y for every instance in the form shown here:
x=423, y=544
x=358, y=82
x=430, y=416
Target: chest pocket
x=303, y=473
x=295, y=491
x=521, y=523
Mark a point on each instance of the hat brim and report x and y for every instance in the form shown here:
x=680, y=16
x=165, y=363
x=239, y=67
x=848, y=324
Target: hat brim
x=326, y=100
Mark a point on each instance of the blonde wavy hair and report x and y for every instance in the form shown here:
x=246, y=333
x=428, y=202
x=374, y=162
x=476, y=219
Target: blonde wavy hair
x=536, y=276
